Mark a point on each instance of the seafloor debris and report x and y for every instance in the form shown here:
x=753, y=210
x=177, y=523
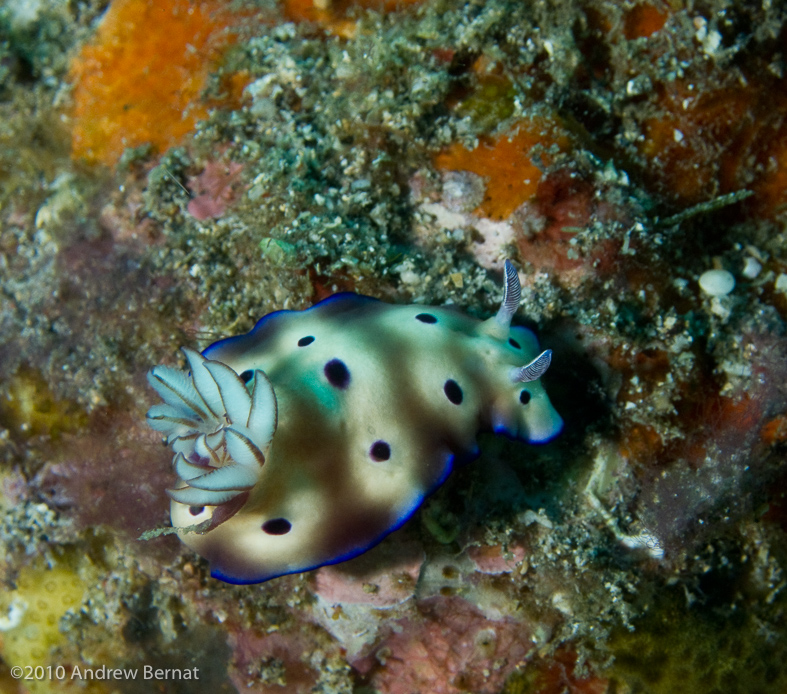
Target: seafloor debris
x=171, y=171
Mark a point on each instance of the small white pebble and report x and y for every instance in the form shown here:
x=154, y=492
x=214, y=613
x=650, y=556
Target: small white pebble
x=13, y=617
x=529, y=517
x=720, y=308
x=717, y=282
x=781, y=283
x=645, y=541
x=736, y=368
x=751, y=268
x=711, y=42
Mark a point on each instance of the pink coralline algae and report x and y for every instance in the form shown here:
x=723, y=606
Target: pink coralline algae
x=82, y=483
x=372, y=580
x=495, y=559
x=215, y=188
x=268, y=663
x=449, y=647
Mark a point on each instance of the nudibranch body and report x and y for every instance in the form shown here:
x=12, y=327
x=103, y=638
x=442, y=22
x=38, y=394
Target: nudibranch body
x=309, y=439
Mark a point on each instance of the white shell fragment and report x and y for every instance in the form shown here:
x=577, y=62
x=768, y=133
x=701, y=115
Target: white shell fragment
x=717, y=282
x=751, y=268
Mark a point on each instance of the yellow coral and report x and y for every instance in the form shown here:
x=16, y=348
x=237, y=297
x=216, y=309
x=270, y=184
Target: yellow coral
x=30, y=623
x=28, y=407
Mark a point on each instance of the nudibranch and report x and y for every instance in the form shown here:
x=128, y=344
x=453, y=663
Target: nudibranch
x=309, y=439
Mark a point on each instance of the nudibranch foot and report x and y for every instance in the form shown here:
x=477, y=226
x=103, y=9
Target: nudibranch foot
x=309, y=439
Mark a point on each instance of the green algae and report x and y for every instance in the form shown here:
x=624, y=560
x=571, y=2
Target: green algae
x=490, y=104
x=675, y=647
x=28, y=408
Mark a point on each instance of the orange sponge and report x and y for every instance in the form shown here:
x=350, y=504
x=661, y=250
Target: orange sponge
x=511, y=176
x=140, y=80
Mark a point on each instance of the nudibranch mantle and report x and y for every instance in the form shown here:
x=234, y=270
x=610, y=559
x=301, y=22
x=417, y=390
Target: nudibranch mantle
x=309, y=439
